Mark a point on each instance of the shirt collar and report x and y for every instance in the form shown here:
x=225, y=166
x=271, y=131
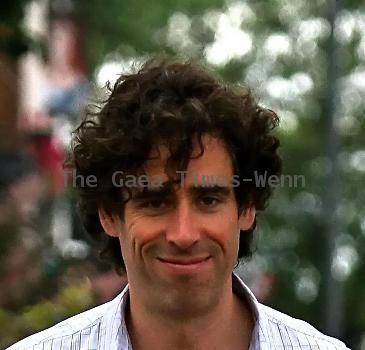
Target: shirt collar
x=116, y=333
x=114, y=326
x=261, y=320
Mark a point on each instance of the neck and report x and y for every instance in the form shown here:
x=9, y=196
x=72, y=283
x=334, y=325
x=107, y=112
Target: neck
x=228, y=325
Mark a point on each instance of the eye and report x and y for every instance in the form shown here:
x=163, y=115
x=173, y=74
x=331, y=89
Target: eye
x=209, y=201
x=154, y=204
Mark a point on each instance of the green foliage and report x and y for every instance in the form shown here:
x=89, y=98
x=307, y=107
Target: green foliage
x=11, y=227
x=13, y=39
x=69, y=301
x=131, y=27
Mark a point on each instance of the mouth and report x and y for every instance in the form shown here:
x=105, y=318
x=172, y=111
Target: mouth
x=186, y=265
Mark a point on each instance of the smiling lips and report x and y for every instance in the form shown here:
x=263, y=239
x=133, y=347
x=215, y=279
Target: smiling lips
x=186, y=265
x=188, y=261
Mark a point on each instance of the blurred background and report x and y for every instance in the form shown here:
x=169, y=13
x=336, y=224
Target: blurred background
x=303, y=59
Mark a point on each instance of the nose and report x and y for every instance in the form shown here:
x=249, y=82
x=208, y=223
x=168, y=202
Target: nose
x=183, y=230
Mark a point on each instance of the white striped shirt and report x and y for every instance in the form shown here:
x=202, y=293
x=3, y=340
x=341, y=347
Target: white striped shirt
x=104, y=328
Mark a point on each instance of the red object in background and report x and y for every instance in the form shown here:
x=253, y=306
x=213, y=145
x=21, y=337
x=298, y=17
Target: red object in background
x=49, y=154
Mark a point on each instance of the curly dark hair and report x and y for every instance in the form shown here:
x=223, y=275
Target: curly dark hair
x=171, y=102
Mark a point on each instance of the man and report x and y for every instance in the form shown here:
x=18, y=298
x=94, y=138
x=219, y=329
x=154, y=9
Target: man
x=172, y=155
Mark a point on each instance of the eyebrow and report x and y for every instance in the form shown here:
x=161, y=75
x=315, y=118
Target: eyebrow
x=162, y=190
x=214, y=189
x=167, y=189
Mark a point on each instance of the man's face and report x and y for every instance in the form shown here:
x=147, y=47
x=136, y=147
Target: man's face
x=180, y=243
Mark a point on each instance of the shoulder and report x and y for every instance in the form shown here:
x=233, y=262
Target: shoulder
x=284, y=330
x=71, y=331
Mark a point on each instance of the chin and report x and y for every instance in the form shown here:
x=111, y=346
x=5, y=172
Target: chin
x=189, y=305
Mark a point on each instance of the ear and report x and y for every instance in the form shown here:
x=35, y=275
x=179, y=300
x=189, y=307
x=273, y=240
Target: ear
x=247, y=218
x=110, y=223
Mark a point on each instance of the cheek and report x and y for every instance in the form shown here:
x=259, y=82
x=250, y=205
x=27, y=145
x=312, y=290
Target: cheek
x=224, y=228
x=139, y=233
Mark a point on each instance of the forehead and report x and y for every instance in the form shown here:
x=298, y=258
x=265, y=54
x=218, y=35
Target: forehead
x=215, y=160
